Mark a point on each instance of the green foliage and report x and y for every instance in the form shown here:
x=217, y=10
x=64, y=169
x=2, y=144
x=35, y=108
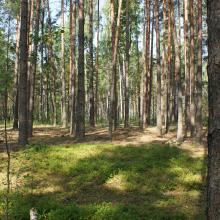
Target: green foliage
x=104, y=181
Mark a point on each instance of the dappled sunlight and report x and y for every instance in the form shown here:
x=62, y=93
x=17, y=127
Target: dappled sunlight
x=150, y=180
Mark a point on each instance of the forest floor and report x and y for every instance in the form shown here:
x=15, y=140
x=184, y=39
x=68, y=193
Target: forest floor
x=137, y=175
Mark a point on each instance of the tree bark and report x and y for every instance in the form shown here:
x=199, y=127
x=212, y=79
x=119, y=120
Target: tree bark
x=23, y=123
x=213, y=189
x=32, y=74
x=192, y=72
x=127, y=69
x=16, y=74
x=115, y=41
x=187, y=63
x=63, y=77
x=91, y=68
x=159, y=115
x=80, y=106
x=199, y=76
x=72, y=65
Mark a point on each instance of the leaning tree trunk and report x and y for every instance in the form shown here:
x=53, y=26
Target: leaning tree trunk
x=213, y=199
x=80, y=106
x=23, y=123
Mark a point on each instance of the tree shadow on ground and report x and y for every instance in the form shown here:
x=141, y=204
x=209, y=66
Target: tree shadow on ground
x=142, y=182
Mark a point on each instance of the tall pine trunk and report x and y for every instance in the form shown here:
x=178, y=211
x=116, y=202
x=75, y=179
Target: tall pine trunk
x=80, y=105
x=192, y=71
x=91, y=68
x=16, y=74
x=33, y=71
x=23, y=123
x=127, y=58
x=213, y=189
x=199, y=75
x=72, y=65
x=159, y=113
x=63, y=77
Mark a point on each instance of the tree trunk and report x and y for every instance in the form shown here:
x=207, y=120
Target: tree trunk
x=192, y=72
x=97, y=66
x=177, y=42
x=32, y=74
x=72, y=65
x=159, y=115
x=80, y=105
x=63, y=77
x=23, y=123
x=199, y=76
x=16, y=74
x=187, y=66
x=115, y=41
x=91, y=68
x=213, y=199
x=151, y=67
x=127, y=57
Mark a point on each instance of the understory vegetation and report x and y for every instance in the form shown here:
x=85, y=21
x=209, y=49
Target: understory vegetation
x=106, y=181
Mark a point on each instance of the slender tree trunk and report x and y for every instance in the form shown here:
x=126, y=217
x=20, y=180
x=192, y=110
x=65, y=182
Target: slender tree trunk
x=199, y=75
x=213, y=189
x=80, y=105
x=32, y=74
x=159, y=115
x=72, y=65
x=97, y=65
x=115, y=41
x=151, y=67
x=192, y=71
x=127, y=69
x=164, y=58
x=91, y=68
x=63, y=77
x=187, y=67
x=177, y=42
x=23, y=123
x=16, y=74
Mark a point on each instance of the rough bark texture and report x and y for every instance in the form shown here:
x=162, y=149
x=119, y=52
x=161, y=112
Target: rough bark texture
x=80, y=106
x=213, y=199
x=23, y=123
